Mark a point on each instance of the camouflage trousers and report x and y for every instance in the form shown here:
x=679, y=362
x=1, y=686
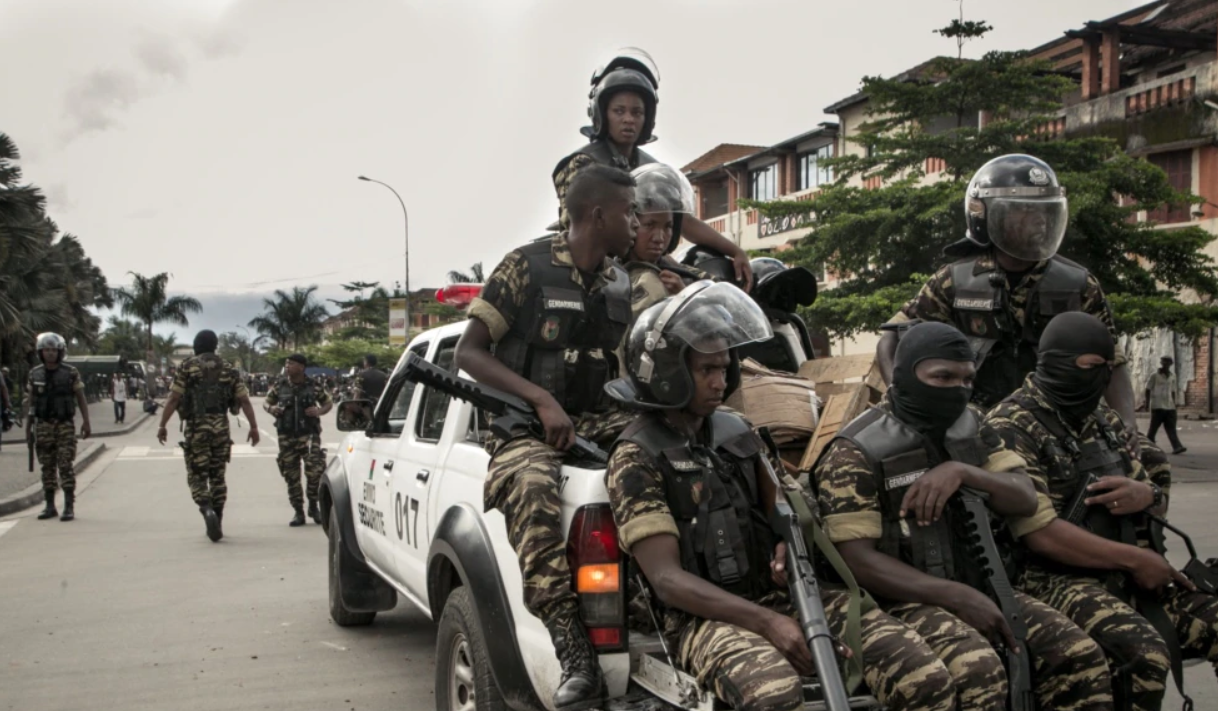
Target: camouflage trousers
x=1069, y=671
x=522, y=482
x=207, y=448
x=747, y=672
x=56, y=450
x=295, y=451
x=1129, y=640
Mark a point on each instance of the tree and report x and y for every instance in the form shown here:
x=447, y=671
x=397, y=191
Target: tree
x=148, y=301
x=881, y=238
x=122, y=338
x=475, y=275
x=291, y=318
x=369, y=314
x=235, y=347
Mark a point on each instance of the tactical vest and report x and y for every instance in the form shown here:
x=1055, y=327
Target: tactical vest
x=295, y=399
x=558, y=316
x=208, y=395
x=601, y=152
x=899, y=455
x=54, y=399
x=711, y=492
x=1005, y=352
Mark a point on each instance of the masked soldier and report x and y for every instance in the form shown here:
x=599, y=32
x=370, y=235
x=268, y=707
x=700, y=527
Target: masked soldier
x=691, y=498
x=622, y=106
x=554, y=312
x=886, y=485
x=205, y=389
x=56, y=391
x=1082, y=552
x=1010, y=281
x=298, y=404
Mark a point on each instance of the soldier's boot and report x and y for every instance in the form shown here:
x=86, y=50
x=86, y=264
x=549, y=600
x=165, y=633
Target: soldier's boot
x=314, y=512
x=298, y=519
x=212, y=521
x=69, y=505
x=581, y=685
x=49, y=511
x=219, y=518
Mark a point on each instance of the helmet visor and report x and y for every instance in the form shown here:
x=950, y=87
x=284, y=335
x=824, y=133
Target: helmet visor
x=662, y=188
x=630, y=58
x=1027, y=228
x=718, y=317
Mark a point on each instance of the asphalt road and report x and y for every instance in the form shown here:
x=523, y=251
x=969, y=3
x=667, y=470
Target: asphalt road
x=131, y=607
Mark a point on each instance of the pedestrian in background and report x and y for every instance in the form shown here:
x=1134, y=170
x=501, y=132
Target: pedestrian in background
x=118, y=393
x=1161, y=399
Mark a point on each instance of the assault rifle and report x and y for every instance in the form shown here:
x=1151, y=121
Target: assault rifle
x=511, y=414
x=982, y=552
x=1076, y=511
x=31, y=435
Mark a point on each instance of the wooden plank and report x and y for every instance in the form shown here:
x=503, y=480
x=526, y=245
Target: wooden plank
x=838, y=369
x=837, y=412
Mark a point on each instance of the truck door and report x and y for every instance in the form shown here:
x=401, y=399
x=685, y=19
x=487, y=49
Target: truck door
x=372, y=466
x=416, y=467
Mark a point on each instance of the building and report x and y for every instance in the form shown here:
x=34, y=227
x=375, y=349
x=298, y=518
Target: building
x=425, y=313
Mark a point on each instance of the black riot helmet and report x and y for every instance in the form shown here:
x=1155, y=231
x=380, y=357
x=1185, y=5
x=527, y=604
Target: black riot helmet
x=619, y=80
x=707, y=317
x=51, y=340
x=628, y=58
x=777, y=286
x=662, y=188
x=721, y=267
x=1015, y=203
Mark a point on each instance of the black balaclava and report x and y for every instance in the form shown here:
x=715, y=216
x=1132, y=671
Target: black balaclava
x=1074, y=391
x=927, y=408
x=206, y=342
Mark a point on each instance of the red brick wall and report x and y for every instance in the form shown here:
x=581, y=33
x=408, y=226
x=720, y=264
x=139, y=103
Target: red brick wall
x=1196, y=397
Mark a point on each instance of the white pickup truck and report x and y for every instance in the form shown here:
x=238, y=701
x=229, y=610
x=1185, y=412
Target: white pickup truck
x=402, y=506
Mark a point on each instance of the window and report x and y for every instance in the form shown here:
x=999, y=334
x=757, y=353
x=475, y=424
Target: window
x=812, y=170
x=393, y=423
x=763, y=183
x=1179, y=168
x=714, y=198
x=433, y=410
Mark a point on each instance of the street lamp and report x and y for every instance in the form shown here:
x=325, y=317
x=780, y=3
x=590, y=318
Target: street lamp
x=406, y=218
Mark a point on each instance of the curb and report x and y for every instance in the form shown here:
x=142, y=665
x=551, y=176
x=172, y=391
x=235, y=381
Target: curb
x=33, y=493
x=126, y=429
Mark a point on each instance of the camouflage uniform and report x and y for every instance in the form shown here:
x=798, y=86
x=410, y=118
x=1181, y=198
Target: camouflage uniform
x=297, y=449
x=743, y=668
x=934, y=302
x=1124, y=634
x=568, y=167
x=207, y=446
x=56, y=439
x=522, y=480
x=1069, y=671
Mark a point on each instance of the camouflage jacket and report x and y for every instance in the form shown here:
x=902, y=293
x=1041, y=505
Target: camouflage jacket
x=190, y=374
x=569, y=167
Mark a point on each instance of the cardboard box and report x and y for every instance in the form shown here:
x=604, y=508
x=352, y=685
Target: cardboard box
x=785, y=403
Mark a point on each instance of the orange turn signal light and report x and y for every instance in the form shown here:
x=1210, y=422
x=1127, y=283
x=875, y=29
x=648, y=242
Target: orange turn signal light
x=598, y=578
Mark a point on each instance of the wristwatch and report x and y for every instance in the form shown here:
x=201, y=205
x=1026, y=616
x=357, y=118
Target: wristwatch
x=1157, y=499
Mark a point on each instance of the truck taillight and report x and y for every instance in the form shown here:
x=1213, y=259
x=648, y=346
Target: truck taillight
x=596, y=566
x=458, y=295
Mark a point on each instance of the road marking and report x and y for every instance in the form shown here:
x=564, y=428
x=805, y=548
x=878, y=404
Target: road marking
x=331, y=645
x=6, y=526
x=134, y=452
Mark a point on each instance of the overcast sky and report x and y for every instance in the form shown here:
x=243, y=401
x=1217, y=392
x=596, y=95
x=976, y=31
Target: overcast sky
x=220, y=140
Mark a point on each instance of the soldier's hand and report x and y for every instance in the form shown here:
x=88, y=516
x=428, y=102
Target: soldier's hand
x=254, y=436
x=1151, y=571
x=672, y=283
x=1120, y=495
x=560, y=430
x=312, y=411
x=85, y=431
x=778, y=566
x=788, y=638
x=744, y=269
x=928, y=495
x=162, y=434
x=980, y=612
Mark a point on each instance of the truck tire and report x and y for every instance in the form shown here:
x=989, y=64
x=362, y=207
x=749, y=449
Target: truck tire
x=341, y=615
x=463, y=675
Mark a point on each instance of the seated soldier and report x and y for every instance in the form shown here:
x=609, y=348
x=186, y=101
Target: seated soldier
x=1075, y=561
x=884, y=486
x=691, y=497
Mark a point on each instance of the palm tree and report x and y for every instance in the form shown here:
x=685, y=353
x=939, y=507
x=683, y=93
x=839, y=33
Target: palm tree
x=148, y=301
x=291, y=318
x=474, y=276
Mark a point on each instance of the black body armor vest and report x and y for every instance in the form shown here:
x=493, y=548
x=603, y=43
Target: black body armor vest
x=711, y=492
x=209, y=396
x=559, y=316
x=899, y=455
x=295, y=399
x=53, y=396
x=1005, y=352
x=601, y=152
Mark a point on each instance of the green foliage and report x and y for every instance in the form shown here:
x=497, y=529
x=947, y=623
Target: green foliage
x=881, y=238
x=148, y=300
x=122, y=338
x=291, y=320
x=341, y=354
x=1140, y=314
x=475, y=275
x=370, y=318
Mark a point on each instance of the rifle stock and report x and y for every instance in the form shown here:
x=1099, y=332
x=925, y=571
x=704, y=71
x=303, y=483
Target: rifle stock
x=512, y=415
x=31, y=436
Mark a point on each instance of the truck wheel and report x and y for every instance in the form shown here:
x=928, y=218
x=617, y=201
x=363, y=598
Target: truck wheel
x=341, y=615
x=463, y=675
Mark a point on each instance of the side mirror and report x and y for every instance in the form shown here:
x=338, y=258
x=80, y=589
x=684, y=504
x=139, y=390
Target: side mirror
x=354, y=415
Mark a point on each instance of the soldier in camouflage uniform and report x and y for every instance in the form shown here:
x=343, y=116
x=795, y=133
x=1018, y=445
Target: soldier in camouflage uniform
x=884, y=494
x=689, y=471
x=56, y=391
x=1119, y=590
x=298, y=404
x=205, y=389
x=553, y=312
x=1009, y=281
